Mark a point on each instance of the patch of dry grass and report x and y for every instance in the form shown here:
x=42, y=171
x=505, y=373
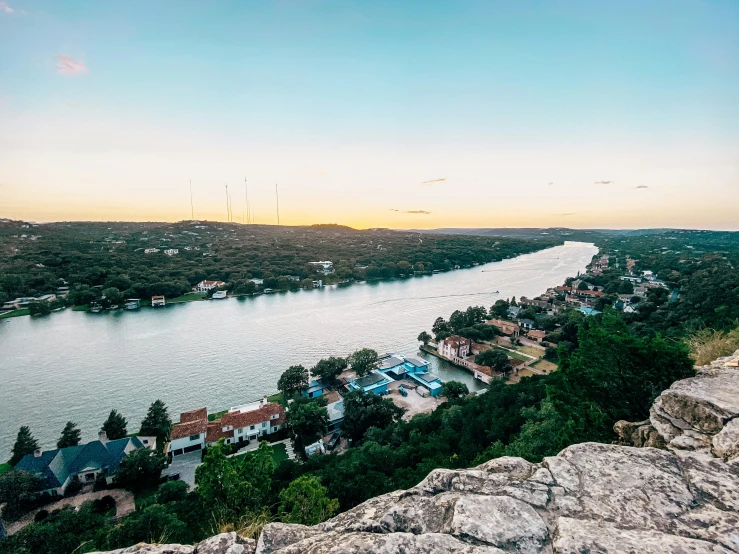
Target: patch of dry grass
x=708, y=344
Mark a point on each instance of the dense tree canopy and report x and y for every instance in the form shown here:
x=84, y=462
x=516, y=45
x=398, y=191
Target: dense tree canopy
x=71, y=436
x=293, y=380
x=115, y=426
x=157, y=423
x=24, y=444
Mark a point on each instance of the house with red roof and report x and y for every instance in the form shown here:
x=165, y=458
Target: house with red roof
x=205, y=286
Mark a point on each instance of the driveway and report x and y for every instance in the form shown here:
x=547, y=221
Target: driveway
x=185, y=465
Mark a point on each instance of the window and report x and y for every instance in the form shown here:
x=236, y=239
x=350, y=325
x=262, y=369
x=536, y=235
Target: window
x=275, y=416
x=252, y=427
x=241, y=431
x=194, y=437
x=264, y=424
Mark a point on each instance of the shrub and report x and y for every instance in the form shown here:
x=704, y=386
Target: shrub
x=40, y=515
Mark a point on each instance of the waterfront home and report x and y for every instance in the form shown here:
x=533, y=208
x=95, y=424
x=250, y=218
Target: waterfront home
x=315, y=389
x=190, y=433
x=323, y=267
x=505, y=327
x=205, y=286
x=428, y=380
x=483, y=373
x=133, y=304
x=171, y=251
x=253, y=420
x=335, y=414
x=375, y=382
x=87, y=462
x=513, y=311
x=527, y=324
x=589, y=293
x=157, y=301
x=454, y=347
x=257, y=282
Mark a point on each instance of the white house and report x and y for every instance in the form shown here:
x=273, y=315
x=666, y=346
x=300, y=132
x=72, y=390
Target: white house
x=324, y=267
x=454, y=347
x=205, y=286
x=253, y=420
x=189, y=434
x=151, y=251
x=171, y=251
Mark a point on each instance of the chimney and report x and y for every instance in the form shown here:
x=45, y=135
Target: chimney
x=103, y=436
x=37, y=453
x=264, y=400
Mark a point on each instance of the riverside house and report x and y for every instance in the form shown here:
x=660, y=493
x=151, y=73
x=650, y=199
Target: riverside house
x=241, y=423
x=454, y=347
x=505, y=327
x=205, y=286
x=87, y=462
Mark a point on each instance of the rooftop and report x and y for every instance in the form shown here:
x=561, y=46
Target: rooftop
x=369, y=380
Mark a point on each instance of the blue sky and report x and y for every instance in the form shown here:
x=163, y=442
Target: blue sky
x=110, y=107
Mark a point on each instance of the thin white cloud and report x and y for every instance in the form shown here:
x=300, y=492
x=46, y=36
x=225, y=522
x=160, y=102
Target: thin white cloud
x=417, y=212
x=604, y=182
x=69, y=66
x=5, y=8
x=642, y=187
x=432, y=181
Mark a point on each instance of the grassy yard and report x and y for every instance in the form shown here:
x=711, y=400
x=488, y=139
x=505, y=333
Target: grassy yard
x=15, y=313
x=279, y=453
x=191, y=297
x=545, y=365
x=82, y=308
x=530, y=350
x=517, y=356
x=279, y=398
x=216, y=415
x=4, y=468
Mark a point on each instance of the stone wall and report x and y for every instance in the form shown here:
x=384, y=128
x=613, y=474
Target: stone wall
x=671, y=486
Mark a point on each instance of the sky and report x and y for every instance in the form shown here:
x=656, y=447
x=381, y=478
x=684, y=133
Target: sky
x=374, y=113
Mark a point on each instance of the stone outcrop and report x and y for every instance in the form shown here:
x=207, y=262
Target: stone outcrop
x=225, y=543
x=671, y=486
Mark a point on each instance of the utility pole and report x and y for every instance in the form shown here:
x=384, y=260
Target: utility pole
x=192, y=206
x=228, y=211
x=277, y=199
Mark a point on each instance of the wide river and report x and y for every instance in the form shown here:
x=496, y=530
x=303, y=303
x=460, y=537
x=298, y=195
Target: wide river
x=77, y=366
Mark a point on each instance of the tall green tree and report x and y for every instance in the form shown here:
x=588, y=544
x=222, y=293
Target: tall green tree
x=424, y=337
x=115, y=426
x=233, y=488
x=454, y=389
x=293, y=380
x=71, y=436
x=140, y=469
x=157, y=423
x=24, y=444
x=329, y=369
x=495, y=358
x=363, y=361
x=363, y=410
x=305, y=502
x=308, y=421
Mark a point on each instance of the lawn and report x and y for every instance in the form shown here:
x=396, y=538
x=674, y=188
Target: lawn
x=279, y=398
x=279, y=453
x=545, y=365
x=530, y=350
x=15, y=313
x=516, y=355
x=216, y=415
x=4, y=468
x=82, y=308
x=193, y=296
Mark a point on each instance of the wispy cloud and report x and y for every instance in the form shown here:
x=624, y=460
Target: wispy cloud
x=642, y=187
x=5, y=8
x=419, y=212
x=566, y=214
x=68, y=66
x=604, y=182
x=432, y=181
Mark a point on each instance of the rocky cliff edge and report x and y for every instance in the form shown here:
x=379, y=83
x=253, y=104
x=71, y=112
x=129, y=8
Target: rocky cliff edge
x=672, y=485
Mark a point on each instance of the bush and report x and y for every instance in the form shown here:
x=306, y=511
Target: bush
x=40, y=515
x=100, y=484
x=103, y=505
x=74, y=487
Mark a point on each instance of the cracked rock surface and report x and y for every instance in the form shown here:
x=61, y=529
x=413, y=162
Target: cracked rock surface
x=672, y=485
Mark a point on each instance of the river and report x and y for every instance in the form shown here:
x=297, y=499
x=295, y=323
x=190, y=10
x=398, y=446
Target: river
x=220, y=353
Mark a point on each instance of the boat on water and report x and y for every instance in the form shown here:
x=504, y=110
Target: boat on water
x=219, y=294
x=96, y=308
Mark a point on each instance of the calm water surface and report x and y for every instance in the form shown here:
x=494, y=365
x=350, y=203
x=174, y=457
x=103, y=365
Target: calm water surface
x=77, y=366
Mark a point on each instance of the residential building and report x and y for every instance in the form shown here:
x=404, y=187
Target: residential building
x=253, y=420
x=537, y=335
x=257, y=282
x=513, y=311
x=430, y=381
x=506, y=327
x=205, y=286
x=454, y=347
x=589, y=311
x=157, y=301
x=190, y=433
x=151, y=250
x=219, y=295
x=631, y=309
x=87, y=462
x=133, y=304
x=527, y=324
x=375, y=382
x=315, y=389
x=335, y=414
x=171, y=251
x=323, y=267
x=315, y=448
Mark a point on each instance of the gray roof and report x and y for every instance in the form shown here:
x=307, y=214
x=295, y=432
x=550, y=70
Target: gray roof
x=416, y=361
x=389, y=362
x=335, y=411
x=371, y=379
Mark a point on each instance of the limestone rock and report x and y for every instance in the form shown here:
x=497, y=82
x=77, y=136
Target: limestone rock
x=226, y=543
x=725, y=443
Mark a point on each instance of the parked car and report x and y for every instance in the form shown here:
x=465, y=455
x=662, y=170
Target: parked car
x=173, y=477
x=402, y=391
x=333, y=440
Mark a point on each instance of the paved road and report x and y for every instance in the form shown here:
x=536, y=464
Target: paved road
x=185, y=465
